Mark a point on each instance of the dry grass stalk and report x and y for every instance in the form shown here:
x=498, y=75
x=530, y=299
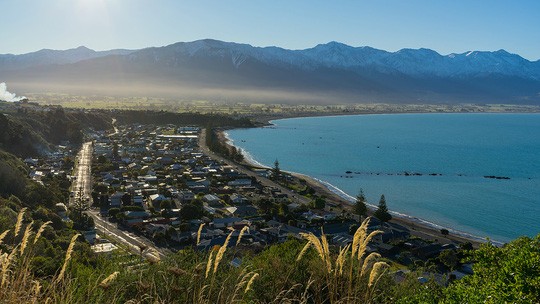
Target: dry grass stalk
x=6, y=262
x=221, y=252
x=326, y=249
x=68, y=256
x=26, y=236
x=242, y=283
x=152, y=256
x=340, y=260
x=359, y=235
x=303, y=251
x=376, y=272
x=368, y=263
x=3, y=236
x=18, y=225
x=199, y=233
x=248, y=287
x=107, y=281
x=37, y=289
x=320, y=246
x=40, y=231
x=246, y=228
x=209, y=263
x=177, y=271
x=365, y=242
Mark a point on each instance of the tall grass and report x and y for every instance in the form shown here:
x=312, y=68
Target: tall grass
x=359, y=283
x=346, y=275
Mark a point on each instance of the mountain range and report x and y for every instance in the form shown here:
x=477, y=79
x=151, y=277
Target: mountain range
x=327, y=73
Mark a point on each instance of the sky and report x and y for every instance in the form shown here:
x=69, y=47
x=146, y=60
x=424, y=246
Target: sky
x=452, y=26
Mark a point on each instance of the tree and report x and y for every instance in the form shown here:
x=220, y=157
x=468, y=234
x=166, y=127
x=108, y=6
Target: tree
x=360, y=207
x=190, y=212
x=276, y=172
x=382, y=211
x=318, y=203
x=165, y=204
x=114, y=211
x=115, y=151
x=126, y=199
x=508, y=274
x=449, y=258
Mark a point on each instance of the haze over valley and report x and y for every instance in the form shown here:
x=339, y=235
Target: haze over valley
x=330, y=73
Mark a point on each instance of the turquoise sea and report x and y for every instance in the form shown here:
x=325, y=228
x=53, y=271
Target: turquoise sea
x=430, y=167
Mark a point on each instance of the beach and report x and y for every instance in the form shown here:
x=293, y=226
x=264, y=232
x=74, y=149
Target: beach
x=417, y=227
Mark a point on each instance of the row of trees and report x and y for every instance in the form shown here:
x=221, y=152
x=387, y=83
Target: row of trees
x=216, y=145
x=360, y=208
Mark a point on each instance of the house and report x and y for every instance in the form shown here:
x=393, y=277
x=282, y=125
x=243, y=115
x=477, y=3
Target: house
x=226, y=222
x=293, y=206
x=281, y=197
x=116, y=199
x=176, y=167
x=243, y=211
x=181, y=237
x=241, y=182
x=156, y=199
x=186, y=196
x=198, y=185
x=138, y=200
x=90, y=236
x=238, y=199
x=137, y=214
x=212, y=200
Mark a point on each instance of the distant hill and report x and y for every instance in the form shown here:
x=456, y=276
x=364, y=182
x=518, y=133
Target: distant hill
x=326, y=73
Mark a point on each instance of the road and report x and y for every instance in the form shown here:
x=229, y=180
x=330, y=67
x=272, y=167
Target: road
x=240, y=168
x=82, y=187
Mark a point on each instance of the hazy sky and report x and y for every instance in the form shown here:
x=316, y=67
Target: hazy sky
x=445, y=26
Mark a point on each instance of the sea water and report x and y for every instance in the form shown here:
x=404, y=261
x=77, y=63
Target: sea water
x=434, y=168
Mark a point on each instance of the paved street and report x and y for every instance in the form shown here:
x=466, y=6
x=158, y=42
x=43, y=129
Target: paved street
x=82, y=187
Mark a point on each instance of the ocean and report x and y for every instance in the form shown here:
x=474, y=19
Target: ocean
x=476, y=174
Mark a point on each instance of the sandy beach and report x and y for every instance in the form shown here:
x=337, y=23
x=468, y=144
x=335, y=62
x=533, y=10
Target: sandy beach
x=416, y=228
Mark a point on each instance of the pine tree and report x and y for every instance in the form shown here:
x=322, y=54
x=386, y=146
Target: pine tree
x=360, y=207
x=276, y=172
x=382, y=211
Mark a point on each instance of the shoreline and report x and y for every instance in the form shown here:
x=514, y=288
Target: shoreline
x=267, y=120
x=418, y=227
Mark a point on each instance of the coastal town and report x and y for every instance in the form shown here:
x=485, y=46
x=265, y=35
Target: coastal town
x=154, y=190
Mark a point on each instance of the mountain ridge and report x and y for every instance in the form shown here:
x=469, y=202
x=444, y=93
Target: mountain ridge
x=334, y=69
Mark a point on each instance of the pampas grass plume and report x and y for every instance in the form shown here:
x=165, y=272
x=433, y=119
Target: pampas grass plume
x=248, y=287
x=26, y=236
x=221, y=252
x=68, y=256
x=19, y=221
x=40, y=231
x=199, y=233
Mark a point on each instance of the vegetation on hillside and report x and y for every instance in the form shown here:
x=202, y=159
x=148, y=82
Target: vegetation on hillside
x=291, y=272
x=162, y=117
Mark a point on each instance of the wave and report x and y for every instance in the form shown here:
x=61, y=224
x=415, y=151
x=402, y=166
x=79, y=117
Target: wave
x=247, y=156
x=334, y=189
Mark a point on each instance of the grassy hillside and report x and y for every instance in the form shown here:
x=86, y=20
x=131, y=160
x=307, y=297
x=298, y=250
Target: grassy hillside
x=291, y=272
